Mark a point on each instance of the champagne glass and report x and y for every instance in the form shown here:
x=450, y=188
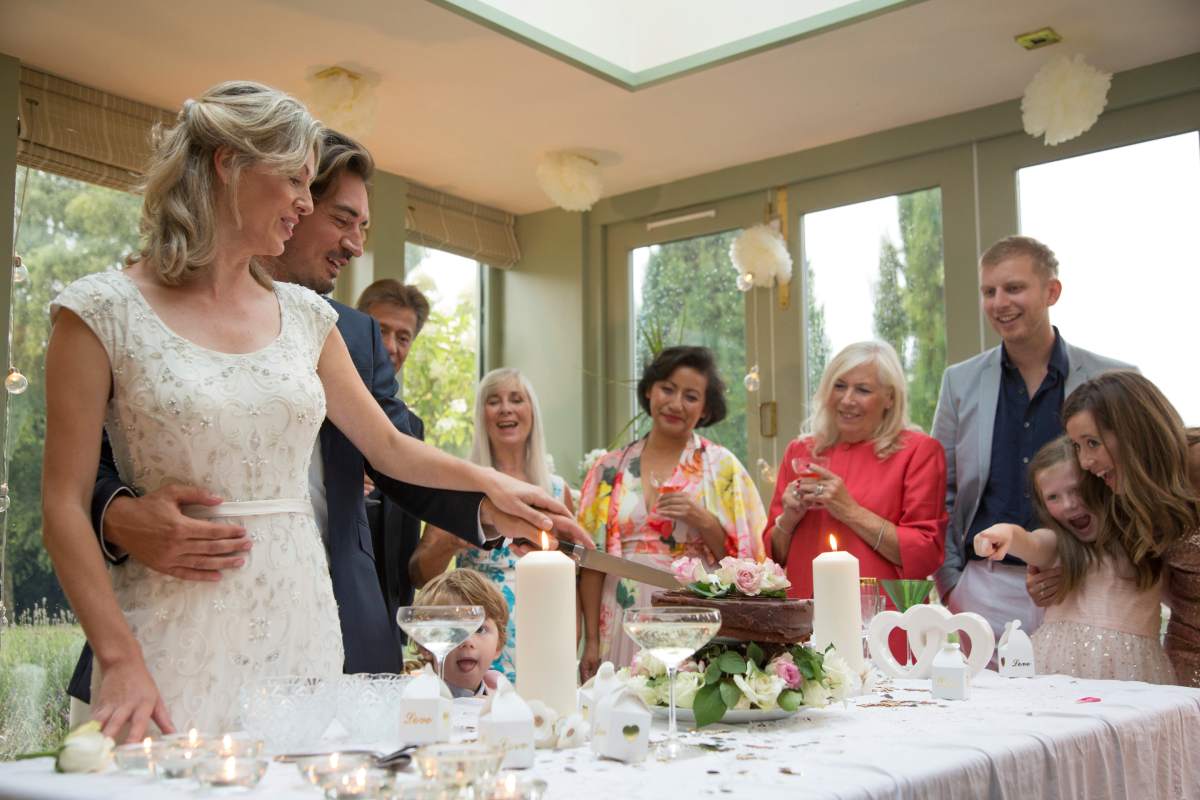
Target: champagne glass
x=800, y=466
x=660, y=482
x=671, y=634
x=440, y=629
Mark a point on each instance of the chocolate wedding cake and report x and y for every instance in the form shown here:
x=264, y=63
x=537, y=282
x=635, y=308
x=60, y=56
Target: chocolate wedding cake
x=751, y=619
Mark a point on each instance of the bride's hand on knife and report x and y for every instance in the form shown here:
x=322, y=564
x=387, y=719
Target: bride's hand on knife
x=525, y=535
x=128, y=697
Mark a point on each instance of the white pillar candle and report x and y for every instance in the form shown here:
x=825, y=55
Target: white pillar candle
x=837, y=609
x=546, y=645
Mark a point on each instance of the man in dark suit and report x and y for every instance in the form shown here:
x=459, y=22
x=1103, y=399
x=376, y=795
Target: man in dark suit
x=153, y=530
x=401, y=311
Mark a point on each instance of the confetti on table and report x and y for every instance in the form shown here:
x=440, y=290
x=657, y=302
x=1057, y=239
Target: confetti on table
x=1088, y=700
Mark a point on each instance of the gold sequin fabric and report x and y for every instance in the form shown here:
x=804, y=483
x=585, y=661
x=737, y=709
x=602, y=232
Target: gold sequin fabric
x=1183, y=596
x=1089, y=651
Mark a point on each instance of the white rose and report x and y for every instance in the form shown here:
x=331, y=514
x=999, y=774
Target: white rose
x=843, y=681
x=85, y=749
x=640, y=684
x=648, y=665
x=686, y=686
x=816, y=695
x=761, y=688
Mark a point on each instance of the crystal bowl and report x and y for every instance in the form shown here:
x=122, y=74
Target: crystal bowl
x=463, y=764
x=288, y=713
x=368, y=706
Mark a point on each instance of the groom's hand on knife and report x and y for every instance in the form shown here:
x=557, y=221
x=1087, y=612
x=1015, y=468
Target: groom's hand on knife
x=154, y=531
x=497, y=524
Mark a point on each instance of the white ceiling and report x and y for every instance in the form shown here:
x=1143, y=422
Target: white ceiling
x=468, y=110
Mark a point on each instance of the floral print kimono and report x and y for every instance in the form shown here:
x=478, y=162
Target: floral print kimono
x=613, y=510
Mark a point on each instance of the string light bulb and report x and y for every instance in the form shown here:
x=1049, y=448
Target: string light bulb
x=16, y=383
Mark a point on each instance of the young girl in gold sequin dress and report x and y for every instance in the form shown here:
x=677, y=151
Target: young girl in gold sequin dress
x=1107, y=625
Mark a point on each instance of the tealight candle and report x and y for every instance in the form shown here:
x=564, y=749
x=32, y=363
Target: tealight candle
x=511, y=786
x=177, y=761
x=362, y=782
x=193, y=739
x=241, y=745
x=318, y=769
x=231, y=772
x=137, y=758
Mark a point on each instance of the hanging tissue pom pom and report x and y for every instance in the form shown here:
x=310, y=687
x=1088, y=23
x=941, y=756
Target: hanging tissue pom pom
x=20, y=271
x=15, y=383
x=343, y=101
x=751, y=380
x=571, y=181
x=1064, y=99
x=760, y=252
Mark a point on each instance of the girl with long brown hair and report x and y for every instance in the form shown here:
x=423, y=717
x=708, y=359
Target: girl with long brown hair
x=1107, y=625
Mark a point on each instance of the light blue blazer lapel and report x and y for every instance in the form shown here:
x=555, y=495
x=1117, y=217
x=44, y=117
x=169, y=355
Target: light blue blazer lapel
x=989, y=392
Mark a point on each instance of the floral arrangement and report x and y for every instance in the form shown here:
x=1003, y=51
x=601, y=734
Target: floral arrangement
x=734, y=576
x=1064, y=99
x=741, y=676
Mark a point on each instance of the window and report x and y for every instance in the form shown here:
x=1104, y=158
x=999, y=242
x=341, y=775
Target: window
x=442, y=370
x=874, y=270
x=68, y=229
x=1122, y=223
x=684, y=292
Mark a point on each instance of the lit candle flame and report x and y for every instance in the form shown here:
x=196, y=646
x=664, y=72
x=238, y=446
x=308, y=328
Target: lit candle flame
x=832, y=542
x=333, y=761
x=193, y=737
x=545, y=541
x=227, y=745
x=510, y=786
x=360, y=777
x=230, y=768
x=147, y=744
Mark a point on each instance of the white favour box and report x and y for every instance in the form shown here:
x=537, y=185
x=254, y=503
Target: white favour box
x=596, y=689
x=621, y=727
x=507, y=722
x=1014, y=654
x=425, y=710
x=950, y=673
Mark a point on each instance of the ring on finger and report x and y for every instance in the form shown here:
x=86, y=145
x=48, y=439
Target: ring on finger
x=820, y=489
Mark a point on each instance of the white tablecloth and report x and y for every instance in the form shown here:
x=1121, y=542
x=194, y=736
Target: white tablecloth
x=1014, y=738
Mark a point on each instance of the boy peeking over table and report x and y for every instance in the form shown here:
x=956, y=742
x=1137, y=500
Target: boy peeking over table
x=469, y=666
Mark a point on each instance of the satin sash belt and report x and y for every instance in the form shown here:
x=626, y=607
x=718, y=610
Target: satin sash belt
x=249, y=508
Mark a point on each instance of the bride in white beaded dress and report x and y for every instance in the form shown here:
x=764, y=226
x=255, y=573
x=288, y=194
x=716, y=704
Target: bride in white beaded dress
x=205, y=372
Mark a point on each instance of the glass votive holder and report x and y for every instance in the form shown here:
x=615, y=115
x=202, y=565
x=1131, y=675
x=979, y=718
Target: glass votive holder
x=364, y=782
x=466, y=764
x=317, y=769
x=192, y=738
x=138, y=758
x=512, y=786
x=177, y=761
x=239, y=745
x=230, y=772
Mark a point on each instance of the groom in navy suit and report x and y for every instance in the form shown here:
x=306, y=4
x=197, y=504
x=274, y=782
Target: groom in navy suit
x=153, y=530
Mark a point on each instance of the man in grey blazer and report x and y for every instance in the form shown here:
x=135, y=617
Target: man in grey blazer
x=995, y=412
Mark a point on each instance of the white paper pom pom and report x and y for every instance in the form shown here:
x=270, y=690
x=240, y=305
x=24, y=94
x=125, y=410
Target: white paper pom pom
x=1064, y=99
x=571, y=181
x=544, y=717
x=342, y=100
x=759, y=251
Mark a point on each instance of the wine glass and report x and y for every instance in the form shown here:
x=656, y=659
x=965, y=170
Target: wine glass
x=872, y=603
x=800, y=466
x=440, y=629
x=671, y=635
x=660, y=482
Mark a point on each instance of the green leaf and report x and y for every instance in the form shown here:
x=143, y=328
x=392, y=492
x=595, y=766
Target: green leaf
x=755, y=654
x=708, y=707
x=732, y=663
x=790, y=699
x=705, y=589
x=713, y=673
x=730, y=693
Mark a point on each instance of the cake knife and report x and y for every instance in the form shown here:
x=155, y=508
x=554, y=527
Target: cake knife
x=621, y=567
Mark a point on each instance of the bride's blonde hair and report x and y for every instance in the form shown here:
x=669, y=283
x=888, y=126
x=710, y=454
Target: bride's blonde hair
x=259, y=125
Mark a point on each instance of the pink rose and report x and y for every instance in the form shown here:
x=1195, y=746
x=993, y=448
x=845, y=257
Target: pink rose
x=788, y=672
x=748, y=578
x=688, y=570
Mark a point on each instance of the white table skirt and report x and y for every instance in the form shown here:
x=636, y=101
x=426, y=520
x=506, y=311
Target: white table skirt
x=1014, y=738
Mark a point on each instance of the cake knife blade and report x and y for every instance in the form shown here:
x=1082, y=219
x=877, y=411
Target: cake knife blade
x=621, y=567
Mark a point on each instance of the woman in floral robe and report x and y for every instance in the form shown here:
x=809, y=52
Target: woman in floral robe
x=672, y=493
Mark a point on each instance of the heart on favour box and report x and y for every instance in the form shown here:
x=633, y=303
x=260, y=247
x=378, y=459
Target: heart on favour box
x=631, y=732
x=927, y=627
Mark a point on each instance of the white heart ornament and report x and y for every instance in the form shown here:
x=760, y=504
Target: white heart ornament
x=927, y=626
